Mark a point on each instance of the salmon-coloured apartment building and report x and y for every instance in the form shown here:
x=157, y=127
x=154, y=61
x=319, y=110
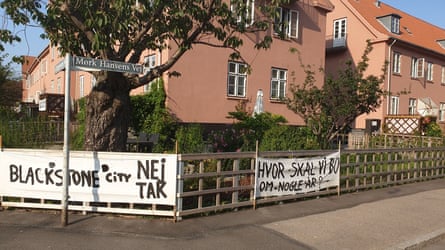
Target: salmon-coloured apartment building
x=211, y=85
x=413, y=48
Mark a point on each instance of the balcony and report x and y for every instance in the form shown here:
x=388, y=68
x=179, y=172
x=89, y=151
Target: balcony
x=334, y=44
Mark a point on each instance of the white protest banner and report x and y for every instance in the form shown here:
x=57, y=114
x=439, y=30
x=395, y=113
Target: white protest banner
x=93, y=176
x=278, y=177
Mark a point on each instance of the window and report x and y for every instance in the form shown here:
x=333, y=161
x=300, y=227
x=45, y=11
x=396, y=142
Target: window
x=59, y=85
x=286, y=23
x=443, y=75
x=81, y=86
x=93, y=82
x=396, y=60
x=339, y=37
x=52, y=86
x=150, y=62
x=442, y=112
x=394, y=109
x=43, y=67
x=278, y=84
x=244, y=12
x=417, y=68
x=412, y=106
x=429, y=71
x=395, y=24
x=236, y=79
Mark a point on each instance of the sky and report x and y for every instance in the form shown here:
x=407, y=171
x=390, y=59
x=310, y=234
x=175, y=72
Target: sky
x=428, y=10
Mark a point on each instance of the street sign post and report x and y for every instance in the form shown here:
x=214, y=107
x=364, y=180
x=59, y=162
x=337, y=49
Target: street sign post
x=82, y=64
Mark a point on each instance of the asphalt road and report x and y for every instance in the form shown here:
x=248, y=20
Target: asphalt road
x=409, y=216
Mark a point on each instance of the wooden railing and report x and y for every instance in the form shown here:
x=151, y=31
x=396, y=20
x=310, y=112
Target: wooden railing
x=215, y=182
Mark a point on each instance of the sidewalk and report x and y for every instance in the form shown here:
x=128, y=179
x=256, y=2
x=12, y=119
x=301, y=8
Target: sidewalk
x=397, y=217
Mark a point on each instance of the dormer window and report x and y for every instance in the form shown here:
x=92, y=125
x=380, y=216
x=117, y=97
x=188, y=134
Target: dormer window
x=391, y=23
x=441, y=43
x=395, y=24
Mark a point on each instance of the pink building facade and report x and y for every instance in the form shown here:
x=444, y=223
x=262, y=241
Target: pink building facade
x=211, y=84
x=413, y=48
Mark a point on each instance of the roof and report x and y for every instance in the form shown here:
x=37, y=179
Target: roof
x=412, y=30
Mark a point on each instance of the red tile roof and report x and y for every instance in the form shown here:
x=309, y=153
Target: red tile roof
x=412, y=30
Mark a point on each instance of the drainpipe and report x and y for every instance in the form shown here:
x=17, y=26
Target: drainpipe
x=388, y=98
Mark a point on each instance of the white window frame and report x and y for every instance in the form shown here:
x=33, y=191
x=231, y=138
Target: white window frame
x=249, y=16
x=236, y=79
x=442, y=112
x=339, y=30
x=93, y=81
x=81, y=86
x=442, y=81
x=59, y=85
x=412, y=106
x=395, y=24
x=151, y=62
x=286, y=22
x=43, y=67
x=52, y=87
x=429, y=71
x=417, y=67
x=395, y=103
x=278, y=84
x=397, y=60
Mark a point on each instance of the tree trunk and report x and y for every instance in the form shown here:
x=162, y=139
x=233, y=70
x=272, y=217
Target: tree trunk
x=108, y=114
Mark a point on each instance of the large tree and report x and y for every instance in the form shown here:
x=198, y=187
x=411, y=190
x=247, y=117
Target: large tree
x=331, y=108
x=10, y=88
x=121, y=30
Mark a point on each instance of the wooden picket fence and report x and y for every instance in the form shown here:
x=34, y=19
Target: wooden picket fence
x=215, y=182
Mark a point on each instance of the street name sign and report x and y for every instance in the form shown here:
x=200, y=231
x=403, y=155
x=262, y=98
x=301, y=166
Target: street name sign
x=91, y=64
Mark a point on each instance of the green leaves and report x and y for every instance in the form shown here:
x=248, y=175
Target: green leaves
x=331, y=108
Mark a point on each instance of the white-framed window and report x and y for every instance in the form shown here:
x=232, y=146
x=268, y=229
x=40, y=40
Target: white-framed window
x=278, y=84
x=442, y=112
x=93, y=82
x=43, y=67
x=395, y=24
x=429, y=71
x=394, y=109
x=244, y=12
x=396, y=62
x=150, y=62
x=59, y=85
x=442, y=78
x=286, y=23
x=82, y=86
x=28, y=81
x=52, y=87
x=412, y=106
x=417, y=67
x=236, y=79
x=339, y=36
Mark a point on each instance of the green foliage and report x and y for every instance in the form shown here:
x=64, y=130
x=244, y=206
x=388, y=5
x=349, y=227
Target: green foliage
x=226, y=140
x=330, y=109
x=149, y=115
x=190, y=139
x=78, y=136
x=122, y=30
x=10, y=89
x=252, y=128
x=433, y=129
x=283, y=138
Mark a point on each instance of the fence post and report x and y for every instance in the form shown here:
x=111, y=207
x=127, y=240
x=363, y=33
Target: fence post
x=179, y=190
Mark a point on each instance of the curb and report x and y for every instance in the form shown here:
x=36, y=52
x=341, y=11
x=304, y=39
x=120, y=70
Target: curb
x=422, y=241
